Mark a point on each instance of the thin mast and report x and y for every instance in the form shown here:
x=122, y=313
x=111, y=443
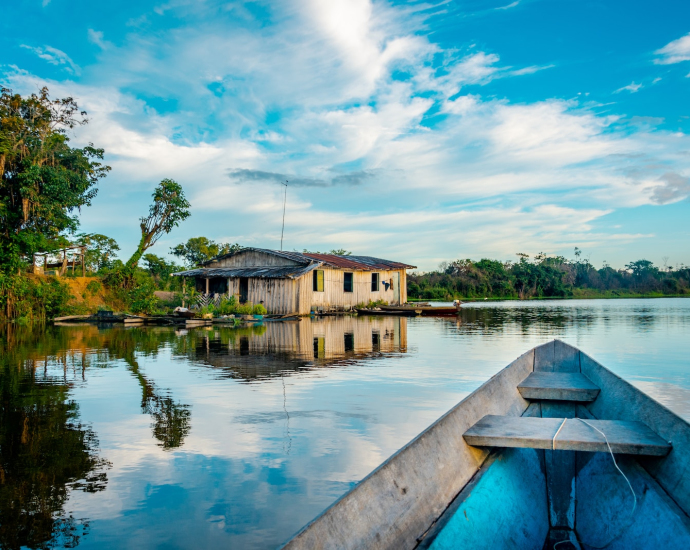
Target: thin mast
x=282, y=231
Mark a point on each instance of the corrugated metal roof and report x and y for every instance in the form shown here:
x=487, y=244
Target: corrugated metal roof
x=272, y=272
x=361, y=263
x=366, y=263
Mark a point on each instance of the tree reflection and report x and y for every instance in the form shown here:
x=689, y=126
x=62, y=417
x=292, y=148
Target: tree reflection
x=171, y=420
x=44, y=453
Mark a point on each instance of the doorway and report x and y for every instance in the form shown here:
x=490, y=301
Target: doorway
x=244, y=290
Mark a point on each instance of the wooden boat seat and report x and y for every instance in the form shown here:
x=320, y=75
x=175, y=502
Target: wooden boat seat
x=560, y=386
x=538, y=433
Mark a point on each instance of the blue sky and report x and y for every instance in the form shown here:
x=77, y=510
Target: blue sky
x=421, y=132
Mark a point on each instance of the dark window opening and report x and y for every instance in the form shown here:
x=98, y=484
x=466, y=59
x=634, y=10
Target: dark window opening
x=218, y=285
x=200, y=285
x=349, y=342
x=318, y=280
x=375, y=341
x=244, y=290
x=319, y=347
x=349, y=284
x=374, y=282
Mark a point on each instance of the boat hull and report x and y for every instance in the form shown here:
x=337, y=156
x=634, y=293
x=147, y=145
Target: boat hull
x=438, y=492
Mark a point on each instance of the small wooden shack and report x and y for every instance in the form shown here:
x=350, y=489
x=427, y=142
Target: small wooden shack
x=294, y=282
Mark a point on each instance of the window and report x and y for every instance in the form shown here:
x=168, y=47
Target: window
x=374, y=282
x=348, y=282
x=318, y=280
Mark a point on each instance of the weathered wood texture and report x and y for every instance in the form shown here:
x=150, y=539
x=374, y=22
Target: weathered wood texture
x=396, y=504
x=298, y=295
x=252, y=258
x=574, y=435
x=622, y=401
x=558, y=386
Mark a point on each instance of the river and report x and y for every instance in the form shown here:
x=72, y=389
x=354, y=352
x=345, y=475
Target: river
x=156, y=437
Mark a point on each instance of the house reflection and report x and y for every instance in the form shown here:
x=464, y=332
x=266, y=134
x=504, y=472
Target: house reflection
x=275, y=347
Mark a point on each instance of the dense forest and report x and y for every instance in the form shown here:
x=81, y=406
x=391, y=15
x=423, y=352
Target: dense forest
x=545, y=277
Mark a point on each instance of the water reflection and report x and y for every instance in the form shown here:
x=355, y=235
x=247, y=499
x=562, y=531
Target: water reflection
x=45, y=452
x=260, y=352
x=217, y=436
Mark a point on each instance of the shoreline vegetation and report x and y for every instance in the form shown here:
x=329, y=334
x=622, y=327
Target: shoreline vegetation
x=547, y=277
x=45, y=183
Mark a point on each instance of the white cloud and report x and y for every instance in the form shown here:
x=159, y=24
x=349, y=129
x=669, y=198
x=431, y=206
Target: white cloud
x=55, y=57
x=357, y=89
x=674, y=52
x=96, y=37
x=632, y=88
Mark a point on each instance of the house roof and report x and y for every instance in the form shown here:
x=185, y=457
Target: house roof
x=357, y=263
x=365, y=263
x=272, y=272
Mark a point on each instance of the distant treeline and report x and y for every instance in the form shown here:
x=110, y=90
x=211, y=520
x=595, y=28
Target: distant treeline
x=546, y=276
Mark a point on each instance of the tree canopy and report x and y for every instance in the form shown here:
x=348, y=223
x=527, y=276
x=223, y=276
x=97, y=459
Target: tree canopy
x=169, y=208
x=198, y=250
x=43, y=180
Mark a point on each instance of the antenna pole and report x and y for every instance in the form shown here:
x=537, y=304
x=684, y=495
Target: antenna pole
x=282, y=231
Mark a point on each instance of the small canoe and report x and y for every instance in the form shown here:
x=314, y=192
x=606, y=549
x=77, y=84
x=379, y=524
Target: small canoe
x=526, y=462
x=409, y=312
x=426, y=310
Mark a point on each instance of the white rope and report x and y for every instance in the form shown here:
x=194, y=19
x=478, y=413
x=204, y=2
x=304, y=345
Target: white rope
x=553, y=441
x=615, y=464
x=553, y=445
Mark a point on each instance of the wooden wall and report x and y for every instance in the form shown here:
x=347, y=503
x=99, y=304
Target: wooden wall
x=297, y=295
x=278, y=295
x=252, y=258
x=334, y=294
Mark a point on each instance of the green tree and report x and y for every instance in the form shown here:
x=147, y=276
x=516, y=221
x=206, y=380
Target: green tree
x=100, y=251
x=198, y=250
x=43, y=180
x=169, y=208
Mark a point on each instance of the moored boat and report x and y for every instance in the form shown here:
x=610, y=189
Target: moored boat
x=554, y=451
x=425, y=310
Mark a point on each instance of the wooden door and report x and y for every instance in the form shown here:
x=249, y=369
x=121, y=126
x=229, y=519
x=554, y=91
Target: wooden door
x=244, y=289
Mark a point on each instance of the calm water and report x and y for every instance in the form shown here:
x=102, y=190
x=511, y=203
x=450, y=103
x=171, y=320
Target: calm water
x=151, y=437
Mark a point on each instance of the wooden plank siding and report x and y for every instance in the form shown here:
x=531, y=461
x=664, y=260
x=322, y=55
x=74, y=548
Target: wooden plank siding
x=285, y=295
x=252, y=259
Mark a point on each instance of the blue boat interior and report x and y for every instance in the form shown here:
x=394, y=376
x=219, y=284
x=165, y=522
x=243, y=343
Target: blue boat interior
x=553, y=452
x=531, y=494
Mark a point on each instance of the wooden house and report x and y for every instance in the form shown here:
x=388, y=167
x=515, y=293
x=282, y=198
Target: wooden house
x=293, y=282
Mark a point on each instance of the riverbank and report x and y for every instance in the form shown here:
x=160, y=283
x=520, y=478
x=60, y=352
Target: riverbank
x=609, y=295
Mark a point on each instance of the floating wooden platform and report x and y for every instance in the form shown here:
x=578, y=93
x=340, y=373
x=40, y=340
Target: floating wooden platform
x=569, y=434
x=558, y=386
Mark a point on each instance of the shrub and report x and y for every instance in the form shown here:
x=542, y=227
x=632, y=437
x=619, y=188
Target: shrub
x=94, y=287
x=228, y=306
x=245, y=309
x=259, y=309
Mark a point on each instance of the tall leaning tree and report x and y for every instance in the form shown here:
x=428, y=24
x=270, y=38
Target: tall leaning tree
x=43, y=181
x=169, y=208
